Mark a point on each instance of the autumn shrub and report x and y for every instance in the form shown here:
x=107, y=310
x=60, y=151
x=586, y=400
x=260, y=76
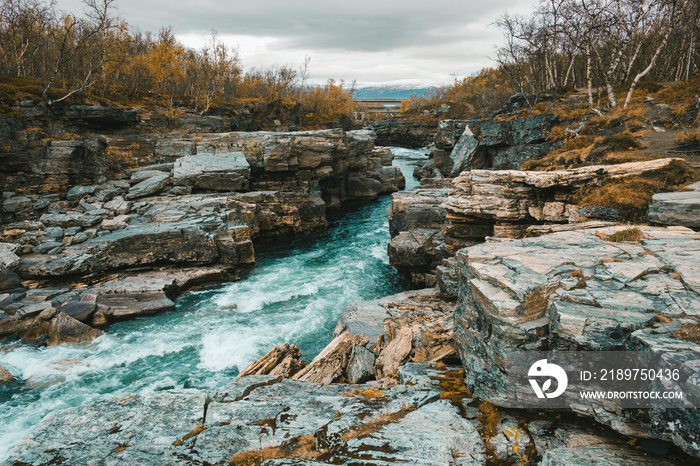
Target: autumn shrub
x=689, y=137
x=626, y=235
x=621, y=142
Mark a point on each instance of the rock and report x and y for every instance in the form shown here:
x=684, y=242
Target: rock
x=66, y=329
x=451, y=439
x=99, y=117
x=70, y=220
x=30, y=309
x=261, y=415
x=174, y=243
x=43, y=248
x=281, y=360
x=360, y=366
x=128, y=306
x=48, y=313
x=363, y=188
x=116, y=223
x=214, y=172
x=394, y=353
x=80, y=238
x=464, y=152
x=149, y=186
x=54, y=232
x=142, y=175
x=329, y=366
x=35, y=342
x=564, y=444
x=118, y=205
x=79, y=310
x=416, y=220
x=17, y=204
x=8, y=256
x=5, y=376
x=577, y=291
x=680, y=208
x=425, y=312
x=397, y=131
x=78, y=192
x=539, y=230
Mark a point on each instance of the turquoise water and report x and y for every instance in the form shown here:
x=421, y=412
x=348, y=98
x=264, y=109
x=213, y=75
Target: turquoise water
x=295, y=293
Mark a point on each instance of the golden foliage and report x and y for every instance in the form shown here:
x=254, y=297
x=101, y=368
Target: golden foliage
x=628, y=235
x=631, y=195
x=688, y=332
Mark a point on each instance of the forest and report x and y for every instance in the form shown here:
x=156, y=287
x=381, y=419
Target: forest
x=57, y=56
x=608, y=47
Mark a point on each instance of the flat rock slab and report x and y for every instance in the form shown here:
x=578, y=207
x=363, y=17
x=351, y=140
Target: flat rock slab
x=258, y=412
x=217, y=172
x=148, y=186
x=679, y=208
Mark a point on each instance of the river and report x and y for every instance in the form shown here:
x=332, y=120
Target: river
x=295, y=294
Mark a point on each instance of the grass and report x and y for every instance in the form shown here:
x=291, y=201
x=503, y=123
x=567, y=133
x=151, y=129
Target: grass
x=453, y=388
x=590, y=150
x=688, y=332
x=680, y=95
x=631, y=195
x=629, y=235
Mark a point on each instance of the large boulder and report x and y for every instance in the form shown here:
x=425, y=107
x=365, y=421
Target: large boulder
x=465, y=152
x=66, y=329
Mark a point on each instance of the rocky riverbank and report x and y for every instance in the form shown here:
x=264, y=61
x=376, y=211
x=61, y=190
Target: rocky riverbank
x=506, y=259
x=367, y=398
x=76, y=259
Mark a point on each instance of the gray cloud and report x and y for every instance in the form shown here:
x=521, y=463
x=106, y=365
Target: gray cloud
x=437, y=32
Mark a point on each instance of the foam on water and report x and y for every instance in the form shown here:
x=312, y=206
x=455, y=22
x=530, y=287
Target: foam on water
x=295, y=294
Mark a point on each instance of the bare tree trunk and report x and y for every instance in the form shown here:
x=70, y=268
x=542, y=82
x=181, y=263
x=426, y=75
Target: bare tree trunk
x=632, y=60
x=641, y=74
x=589, y=78
x=568, y=71
x=691, y=50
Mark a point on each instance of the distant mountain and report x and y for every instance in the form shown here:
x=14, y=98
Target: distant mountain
x=392, y=90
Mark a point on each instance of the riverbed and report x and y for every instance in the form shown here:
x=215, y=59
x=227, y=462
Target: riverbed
x=295, y=294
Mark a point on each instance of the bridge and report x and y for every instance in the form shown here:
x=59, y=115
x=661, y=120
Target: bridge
x=380, y=105
x=388, y=107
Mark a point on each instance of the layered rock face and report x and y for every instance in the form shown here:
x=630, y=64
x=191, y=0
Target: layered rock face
x=461, y=145
x=578, y=291
x=202, y=204
x=679, y=208
x=431, y=224
x=404, y=132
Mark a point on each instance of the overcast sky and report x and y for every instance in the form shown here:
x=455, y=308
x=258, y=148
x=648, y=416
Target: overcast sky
x=363, y=40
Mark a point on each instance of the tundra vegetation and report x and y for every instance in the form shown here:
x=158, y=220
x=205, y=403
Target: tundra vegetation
x=611, y=49
x=53, y=56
